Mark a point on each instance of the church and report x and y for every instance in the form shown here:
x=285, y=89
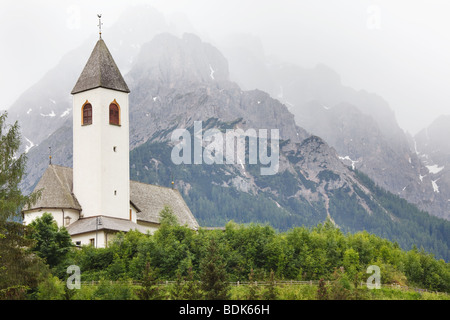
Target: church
x=96, y=199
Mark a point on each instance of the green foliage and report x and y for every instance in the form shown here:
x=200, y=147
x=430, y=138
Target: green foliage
x=108, y=290
x=149, y=289
x=51, y=289
x=257, y=253
x=213, y=274
x=253, y=291
x=20, y=271
x=322, y=293
x=408, y=225
x=271, y=292
x=340, y=288
x=51, y=243
x=186, y=288
x=18, y=292
x=12, y=168
x=167, y=216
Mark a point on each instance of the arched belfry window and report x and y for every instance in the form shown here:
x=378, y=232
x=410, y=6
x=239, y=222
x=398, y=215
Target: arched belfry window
x=86, y=113
x=114, y=113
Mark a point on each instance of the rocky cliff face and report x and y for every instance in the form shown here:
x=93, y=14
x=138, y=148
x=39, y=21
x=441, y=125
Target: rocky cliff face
x=432, y=148
x=178, y=81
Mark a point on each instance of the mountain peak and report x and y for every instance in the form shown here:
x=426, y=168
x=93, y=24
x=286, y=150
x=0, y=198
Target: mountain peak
x=171, y=59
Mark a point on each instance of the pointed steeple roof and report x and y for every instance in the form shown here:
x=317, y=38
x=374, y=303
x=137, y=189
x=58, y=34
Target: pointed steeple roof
x=100, y=71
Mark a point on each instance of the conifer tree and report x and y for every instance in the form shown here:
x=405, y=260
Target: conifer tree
x=271, y=293
x=12, y=169
x=253, y=292
x=213, y=275
x=322, y=293
x=19, y=270
x=186, y=288
x=150, y=289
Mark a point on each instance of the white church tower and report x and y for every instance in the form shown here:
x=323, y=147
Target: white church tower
x=101, y=179
x=96, y=199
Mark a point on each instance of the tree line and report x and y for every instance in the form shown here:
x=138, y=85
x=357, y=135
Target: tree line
x=201, y=264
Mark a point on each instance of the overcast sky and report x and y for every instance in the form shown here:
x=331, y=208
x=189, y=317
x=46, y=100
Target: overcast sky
x=399, y=49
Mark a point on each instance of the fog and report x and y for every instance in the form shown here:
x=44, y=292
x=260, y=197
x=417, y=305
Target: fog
x=397, y=49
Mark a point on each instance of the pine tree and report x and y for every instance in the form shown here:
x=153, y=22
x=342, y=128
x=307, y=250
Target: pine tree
x=12, y=168
x=213, y=275
x=322, y=293
x=167, y=217
x=271, y=293
x=193, y=291
x=150, y=289
x=19, y=270
x=253, y=292
x=186, y=288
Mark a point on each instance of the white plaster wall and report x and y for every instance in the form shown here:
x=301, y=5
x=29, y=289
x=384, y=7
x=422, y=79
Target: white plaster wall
x=101, y=237
x=100, y=175
x=85, y=238
x=58, y=215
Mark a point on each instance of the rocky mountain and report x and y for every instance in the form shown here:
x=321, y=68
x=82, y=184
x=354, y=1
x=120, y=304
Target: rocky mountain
x=359, y=125
x=432, y=148
x=177, y=81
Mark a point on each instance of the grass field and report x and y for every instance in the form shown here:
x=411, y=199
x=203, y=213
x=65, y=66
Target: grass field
x=127, y=291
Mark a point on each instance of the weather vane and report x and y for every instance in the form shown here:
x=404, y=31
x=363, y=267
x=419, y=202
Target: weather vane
x=99, y=25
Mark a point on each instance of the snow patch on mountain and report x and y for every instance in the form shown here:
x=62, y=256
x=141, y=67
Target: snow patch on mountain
x=435, y=186
x=348, y=159
x=212, y=72
x=434, y=169
x=29, y=146
x=51, y=114
x=66, y=112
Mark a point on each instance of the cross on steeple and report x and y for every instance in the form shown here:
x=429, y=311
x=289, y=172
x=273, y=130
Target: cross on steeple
x=99, y=25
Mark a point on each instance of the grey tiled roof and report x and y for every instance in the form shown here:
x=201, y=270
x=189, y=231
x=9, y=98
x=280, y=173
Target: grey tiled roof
x=151, y=199
x=91, y=224
x=100, y=71
x=56, y=185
